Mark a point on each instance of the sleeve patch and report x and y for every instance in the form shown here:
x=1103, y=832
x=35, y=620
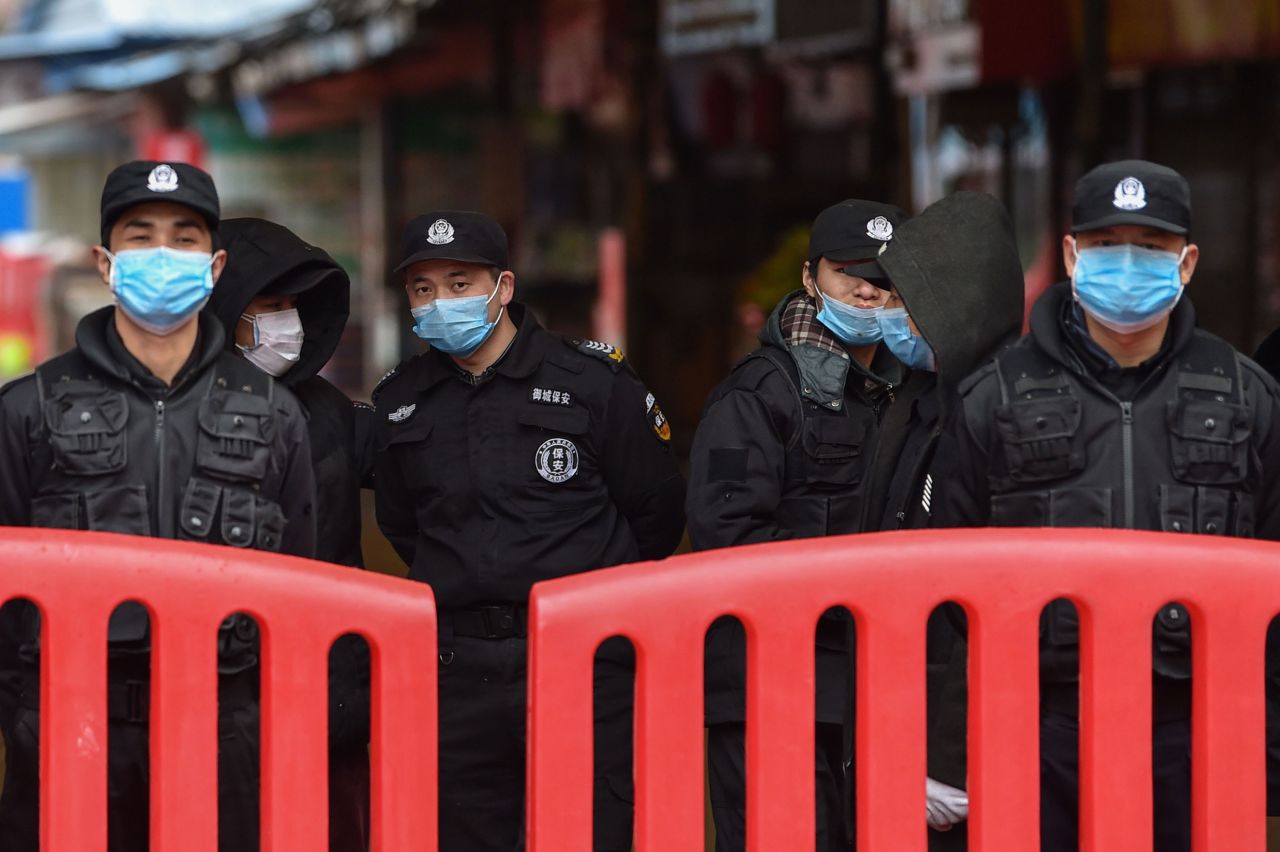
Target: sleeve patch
x=658, y=420
x=728, y=464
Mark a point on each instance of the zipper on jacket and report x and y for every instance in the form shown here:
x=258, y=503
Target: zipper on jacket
x=1126, y=427
x=163, y=515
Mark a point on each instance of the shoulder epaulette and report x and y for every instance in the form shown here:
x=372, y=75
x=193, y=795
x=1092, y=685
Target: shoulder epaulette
x=611, y=355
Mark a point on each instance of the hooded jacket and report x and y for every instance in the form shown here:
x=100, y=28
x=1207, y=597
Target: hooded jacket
x=781, y=453
x=263, y=256
x=957, y=270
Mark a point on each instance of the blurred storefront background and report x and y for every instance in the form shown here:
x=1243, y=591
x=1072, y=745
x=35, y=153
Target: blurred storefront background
x=656, y=164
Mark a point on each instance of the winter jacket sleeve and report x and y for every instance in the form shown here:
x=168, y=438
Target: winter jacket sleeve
x=298, y=490
x=394, y=505
x=961, y=494
x=737, y=465
x=640, y=469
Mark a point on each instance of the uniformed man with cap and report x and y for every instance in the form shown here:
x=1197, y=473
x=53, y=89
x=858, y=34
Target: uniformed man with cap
x=150, y=427
x=1116, y=411
x=782, y=453
x=507, y=455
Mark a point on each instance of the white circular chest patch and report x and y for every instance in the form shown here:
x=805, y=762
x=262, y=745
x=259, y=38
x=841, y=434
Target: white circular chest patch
x=556, y=460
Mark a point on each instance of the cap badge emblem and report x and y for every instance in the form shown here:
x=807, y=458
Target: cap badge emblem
x=1130, y=194
x=162, y=179
x=440, y=233
x=557, y=460
x=402, y=413
x=880, y=228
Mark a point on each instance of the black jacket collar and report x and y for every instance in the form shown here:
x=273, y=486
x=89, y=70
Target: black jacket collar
x=521, y=359
x=100, y=343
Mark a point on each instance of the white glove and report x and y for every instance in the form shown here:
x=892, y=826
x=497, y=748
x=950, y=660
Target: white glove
x=945, y=806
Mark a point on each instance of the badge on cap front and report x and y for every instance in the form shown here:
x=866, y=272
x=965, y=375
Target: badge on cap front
x=880, y=228
x=1130, y=194
x=162, y=179
x=440, y=233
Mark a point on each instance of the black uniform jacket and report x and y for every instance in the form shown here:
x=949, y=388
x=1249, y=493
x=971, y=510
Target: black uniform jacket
x=260, y=256
x=553, y=462
x=781, y=453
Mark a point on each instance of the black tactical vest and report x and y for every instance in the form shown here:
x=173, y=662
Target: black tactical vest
x=1176, y=458
x=826, y=461
x=194, y=468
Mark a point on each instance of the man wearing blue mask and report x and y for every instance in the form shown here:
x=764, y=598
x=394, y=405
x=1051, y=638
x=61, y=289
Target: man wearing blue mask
x=150, y=427
x=506, y=455
x=1116, y=411
x=782, y=453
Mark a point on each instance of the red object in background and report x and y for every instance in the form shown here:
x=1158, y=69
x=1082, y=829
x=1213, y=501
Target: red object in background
x=174, y=146
x=78, y=578
x=610, y=318
x=720, y=104
x=768, y=102
x=22, y=282
x=891, y=582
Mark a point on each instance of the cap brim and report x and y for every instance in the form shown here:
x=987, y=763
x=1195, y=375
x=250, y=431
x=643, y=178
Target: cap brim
x=870, y=271
x=442, y=255
x=1128, y=219
x=860, y=251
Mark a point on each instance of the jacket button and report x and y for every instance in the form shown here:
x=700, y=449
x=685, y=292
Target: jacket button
x=1041, y=423
x=1176, y=526
x=835, y=404
x=1174, y=615
x=1210, y=423
x=85, y=417
x=236, y=532
x=1211, y=527
x=238, y=420
x=196, y=522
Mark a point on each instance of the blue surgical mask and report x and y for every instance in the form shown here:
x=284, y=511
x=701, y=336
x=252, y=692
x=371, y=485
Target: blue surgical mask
x=161, y=288
x=854, y=326
x=909, y=348
x=456, y=326
x=1127, y=288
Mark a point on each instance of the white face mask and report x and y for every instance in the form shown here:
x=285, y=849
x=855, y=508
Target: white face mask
x=277, y=341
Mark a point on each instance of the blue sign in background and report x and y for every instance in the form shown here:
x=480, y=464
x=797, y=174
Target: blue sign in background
x=14, y=193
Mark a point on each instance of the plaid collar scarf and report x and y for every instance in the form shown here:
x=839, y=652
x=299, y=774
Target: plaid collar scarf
x=800, y=324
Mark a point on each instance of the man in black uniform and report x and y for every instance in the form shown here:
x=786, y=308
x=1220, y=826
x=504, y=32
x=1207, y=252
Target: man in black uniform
x=150, y=427
x=1116, y=411
x=283, y=305
x=507, y=456
x=781, y=453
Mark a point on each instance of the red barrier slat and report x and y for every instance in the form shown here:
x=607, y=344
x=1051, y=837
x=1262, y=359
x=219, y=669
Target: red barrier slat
x=73, y=721
x=295, y=800
x=780, y=769
x=669, y=807
x=184, y=731
x=890, y=758
x=1228, y=777
x=1115, y=748
x=560, y=730
x=1004, y=725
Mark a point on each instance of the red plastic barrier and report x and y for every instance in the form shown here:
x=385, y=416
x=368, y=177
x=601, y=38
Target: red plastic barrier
x=301, y=607
x=891, y=582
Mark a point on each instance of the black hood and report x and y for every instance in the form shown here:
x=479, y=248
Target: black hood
x=957, y=270
x=263, y=256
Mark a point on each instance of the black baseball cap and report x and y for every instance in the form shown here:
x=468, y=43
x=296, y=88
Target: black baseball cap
x=1132, y=192
x=853, y=230
x=455, y=235
x=143, y=181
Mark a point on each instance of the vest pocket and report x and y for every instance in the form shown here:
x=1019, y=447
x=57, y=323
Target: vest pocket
x=1209, y=442
x=235, y=431
x=832, y=450
x=86, y=433
x=1058, y=507
x=120, y=510
x=1207, y=511
x=1039, y=438
x=56, y=511
x=199, y=505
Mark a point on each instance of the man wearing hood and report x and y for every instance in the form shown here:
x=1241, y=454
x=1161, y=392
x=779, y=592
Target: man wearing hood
x=782, y=452
x=284, y=304
x=1116, y=411
x=150, y=427
x=956, y=297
